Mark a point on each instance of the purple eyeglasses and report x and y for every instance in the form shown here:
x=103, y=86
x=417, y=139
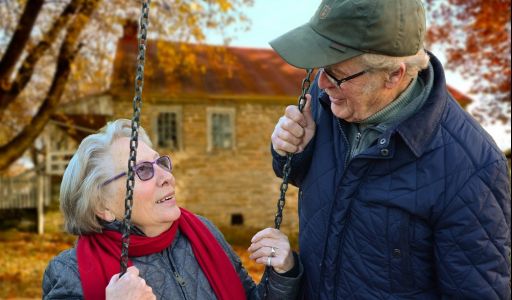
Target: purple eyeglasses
x=145, y=170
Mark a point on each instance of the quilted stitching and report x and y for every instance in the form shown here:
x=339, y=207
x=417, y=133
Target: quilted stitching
x=458, y=211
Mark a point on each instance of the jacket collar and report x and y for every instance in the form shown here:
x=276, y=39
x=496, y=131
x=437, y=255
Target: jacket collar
x=418, y=131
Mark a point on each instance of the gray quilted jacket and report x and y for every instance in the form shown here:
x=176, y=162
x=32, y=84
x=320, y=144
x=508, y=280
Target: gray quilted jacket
x=172, y=274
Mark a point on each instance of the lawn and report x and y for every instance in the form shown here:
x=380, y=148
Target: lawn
x=25, y=255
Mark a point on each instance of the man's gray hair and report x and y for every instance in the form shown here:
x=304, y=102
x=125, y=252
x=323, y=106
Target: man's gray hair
x=414, y=64
x=81, y=190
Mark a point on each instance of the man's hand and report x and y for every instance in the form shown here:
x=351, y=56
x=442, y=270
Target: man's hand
x=294, y=130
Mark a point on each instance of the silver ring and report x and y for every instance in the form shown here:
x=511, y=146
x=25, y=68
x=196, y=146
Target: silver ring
x=272, y=252
x=269, y=261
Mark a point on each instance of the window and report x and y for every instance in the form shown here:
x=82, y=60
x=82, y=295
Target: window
x=221, y=128
x=168, y=127
x=237, y=219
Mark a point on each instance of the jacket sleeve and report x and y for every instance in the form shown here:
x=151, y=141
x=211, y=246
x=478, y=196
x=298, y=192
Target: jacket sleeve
x=300, y=161
x=472, y=237
x=280, y=287
x=61, y=281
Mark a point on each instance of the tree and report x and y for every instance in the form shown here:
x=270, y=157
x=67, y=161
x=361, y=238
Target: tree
x=54, y=52
x=475, y=35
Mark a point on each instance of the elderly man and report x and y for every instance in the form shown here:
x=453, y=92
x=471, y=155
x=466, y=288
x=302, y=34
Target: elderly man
x=402, y=194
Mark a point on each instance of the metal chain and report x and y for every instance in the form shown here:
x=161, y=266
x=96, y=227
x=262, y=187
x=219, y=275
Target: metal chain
x=137, y=104
x=306, y=83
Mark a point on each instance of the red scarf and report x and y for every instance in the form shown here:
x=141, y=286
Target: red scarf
x=98, y=257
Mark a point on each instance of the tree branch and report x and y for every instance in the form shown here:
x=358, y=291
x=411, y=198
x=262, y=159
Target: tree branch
x=68, y=50
x=26, y=70
x=18, y=41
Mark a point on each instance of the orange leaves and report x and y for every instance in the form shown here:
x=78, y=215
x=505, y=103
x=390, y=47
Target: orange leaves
x=475, y=35
x=24, y=258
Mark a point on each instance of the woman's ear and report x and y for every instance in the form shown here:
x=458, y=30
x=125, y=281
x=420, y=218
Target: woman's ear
x=106, y=215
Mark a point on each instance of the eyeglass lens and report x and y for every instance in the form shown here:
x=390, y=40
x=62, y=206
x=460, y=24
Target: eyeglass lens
x=146, y=171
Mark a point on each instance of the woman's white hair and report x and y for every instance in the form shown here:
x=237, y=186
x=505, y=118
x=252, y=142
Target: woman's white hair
x=414, y=64
x=81, y=190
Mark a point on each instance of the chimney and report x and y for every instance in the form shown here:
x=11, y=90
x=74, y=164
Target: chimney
x=126, y=56
x=130, y=30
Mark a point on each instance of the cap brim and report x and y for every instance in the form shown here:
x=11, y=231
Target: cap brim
x=304, y=48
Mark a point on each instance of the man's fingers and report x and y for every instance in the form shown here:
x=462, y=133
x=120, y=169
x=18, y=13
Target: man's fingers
x=308, y=115
x=293, y=113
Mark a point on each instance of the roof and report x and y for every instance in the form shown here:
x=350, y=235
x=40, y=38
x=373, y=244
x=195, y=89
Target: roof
x=217, y=72
x=212, y=72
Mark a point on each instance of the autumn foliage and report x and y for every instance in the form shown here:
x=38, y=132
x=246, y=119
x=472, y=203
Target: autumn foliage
x=475, y=36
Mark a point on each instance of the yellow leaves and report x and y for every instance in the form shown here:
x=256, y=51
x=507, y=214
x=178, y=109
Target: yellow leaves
x=225, y=5
x=25, y=256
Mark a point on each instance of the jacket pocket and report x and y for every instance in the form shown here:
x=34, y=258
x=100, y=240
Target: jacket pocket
x=401, y=275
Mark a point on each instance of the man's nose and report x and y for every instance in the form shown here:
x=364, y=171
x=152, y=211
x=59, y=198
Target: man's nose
x=324, y=82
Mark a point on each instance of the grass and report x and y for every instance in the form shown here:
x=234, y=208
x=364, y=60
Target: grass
x=24, y=256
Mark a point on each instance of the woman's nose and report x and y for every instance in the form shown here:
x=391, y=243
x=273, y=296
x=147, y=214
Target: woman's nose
x=164, y=177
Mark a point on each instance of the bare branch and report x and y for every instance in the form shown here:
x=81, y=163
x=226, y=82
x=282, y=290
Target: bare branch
x=18, y=41
x=27, y=67
x=68, y=50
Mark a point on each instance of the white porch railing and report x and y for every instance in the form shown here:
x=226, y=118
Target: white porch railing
x=27, y=190
x=57, y=161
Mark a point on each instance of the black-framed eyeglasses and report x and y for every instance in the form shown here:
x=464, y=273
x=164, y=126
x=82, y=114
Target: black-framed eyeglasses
x=146, y=170
x=342, y=80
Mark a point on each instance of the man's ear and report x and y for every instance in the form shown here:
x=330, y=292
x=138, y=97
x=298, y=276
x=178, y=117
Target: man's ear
x=106, y=215
x=395, y=78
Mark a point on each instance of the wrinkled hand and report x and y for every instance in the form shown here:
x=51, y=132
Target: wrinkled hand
x=129, y=286
x=261, y=249
x=294, y=130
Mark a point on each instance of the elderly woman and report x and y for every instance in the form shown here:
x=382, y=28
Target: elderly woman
x=174, y=254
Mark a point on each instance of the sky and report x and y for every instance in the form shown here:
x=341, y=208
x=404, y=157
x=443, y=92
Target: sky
x=271, y=18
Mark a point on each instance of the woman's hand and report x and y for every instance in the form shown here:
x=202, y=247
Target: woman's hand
x=271, y=247
x=129, y=286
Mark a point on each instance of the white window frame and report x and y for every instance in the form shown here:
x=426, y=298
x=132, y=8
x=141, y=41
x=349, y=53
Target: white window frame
x=231, y=112
x=179, y=123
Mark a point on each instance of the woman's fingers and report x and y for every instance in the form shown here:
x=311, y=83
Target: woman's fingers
x=271, y=247
x=129, y=286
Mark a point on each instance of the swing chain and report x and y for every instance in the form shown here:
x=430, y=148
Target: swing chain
x=306, y=83
x=137, y=104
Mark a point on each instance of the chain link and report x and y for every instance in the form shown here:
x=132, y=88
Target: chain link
x=137, y=104
x=306, y=83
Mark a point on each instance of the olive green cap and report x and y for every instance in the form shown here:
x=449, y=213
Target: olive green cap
x=342, y=29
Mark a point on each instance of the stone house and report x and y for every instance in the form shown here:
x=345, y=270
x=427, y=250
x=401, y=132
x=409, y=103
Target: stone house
x=215, y=123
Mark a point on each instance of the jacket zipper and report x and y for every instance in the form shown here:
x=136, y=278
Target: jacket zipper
x=347, y=154
x=179, y=279
x=349, y=208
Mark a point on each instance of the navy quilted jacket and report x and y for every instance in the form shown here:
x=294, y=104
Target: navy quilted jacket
x=424, y=213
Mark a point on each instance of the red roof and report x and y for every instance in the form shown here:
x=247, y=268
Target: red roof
x=220, y=72
x=245, y=72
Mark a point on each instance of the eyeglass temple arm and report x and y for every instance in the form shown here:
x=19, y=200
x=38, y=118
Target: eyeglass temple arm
x=114, y=178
